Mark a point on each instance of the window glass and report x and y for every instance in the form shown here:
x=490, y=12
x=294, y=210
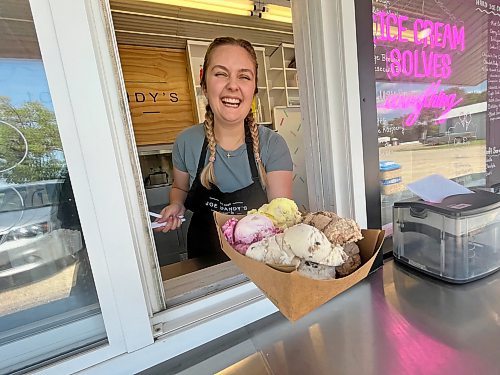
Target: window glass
x=45, y=276
x=436, y=68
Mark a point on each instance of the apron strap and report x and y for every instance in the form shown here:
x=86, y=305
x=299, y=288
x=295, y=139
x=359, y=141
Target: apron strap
x=251, y=160
x=201, y=162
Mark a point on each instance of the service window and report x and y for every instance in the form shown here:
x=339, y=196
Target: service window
x=161, y=47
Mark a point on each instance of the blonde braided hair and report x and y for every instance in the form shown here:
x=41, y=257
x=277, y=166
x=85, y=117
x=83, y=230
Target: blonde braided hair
x=254, y=133
x=207, y=176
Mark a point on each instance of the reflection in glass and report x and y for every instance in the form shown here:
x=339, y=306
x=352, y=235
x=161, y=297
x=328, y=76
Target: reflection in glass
x=434, y=88
x=45, y=277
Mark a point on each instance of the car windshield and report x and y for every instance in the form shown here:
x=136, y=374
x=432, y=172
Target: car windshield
x=30, y=195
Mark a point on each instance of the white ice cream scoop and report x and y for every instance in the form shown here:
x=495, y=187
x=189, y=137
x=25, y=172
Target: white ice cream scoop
x=271, y=250
x=310, y=244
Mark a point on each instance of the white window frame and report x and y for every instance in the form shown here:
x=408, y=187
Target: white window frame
x=325, y=44
x=82, y=111
x=95, y=128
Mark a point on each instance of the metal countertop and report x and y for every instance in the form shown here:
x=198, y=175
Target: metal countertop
x=394, y=322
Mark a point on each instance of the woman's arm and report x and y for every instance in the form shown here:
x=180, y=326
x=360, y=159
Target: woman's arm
x=178, y=193
x=279, y=185
x=180, y=187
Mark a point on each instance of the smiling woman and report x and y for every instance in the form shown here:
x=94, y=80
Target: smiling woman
x=227, y=164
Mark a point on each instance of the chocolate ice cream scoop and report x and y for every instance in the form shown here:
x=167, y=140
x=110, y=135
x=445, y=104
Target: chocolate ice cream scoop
x=353, y=260
x=338, y=230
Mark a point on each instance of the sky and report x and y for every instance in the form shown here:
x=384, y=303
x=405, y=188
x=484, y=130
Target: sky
x=24, y=80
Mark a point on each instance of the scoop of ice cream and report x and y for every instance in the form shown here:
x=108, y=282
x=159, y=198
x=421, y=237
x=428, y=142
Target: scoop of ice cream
x=253, y=228
x=228, y=229
x=282, y=211
x=249, y=229
x=272, y=250
x=339, y=231
x=353, y=260
x=316, y=271
x=310, y=244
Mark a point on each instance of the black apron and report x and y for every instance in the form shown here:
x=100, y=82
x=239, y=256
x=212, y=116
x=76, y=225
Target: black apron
x=202, y=238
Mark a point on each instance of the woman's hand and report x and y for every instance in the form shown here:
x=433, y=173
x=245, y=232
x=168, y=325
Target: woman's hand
x=173, y=216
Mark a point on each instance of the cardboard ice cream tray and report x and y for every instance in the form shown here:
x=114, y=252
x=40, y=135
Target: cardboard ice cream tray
x=293, y=294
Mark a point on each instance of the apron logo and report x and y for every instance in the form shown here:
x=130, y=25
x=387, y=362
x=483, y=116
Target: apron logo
x=231, y=208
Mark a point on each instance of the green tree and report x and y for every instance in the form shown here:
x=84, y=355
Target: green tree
x=44, y=159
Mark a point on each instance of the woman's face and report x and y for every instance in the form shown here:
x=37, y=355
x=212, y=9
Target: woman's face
x=230, y=84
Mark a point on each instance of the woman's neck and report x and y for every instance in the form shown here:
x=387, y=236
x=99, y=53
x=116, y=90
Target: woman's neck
x=229, y=137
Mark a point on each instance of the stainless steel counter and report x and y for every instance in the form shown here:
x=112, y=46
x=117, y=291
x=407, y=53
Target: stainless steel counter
x=394, y=322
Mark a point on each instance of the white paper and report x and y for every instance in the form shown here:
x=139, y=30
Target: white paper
x=435, y=188
x=153, y=214
x=154, y=224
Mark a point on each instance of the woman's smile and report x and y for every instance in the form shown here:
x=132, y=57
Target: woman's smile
x=231, y=102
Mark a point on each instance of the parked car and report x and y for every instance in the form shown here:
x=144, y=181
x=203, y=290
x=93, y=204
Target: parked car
x=448, y=138
x=40, y=232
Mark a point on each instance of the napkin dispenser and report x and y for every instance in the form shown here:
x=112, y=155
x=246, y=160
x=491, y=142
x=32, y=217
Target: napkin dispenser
x=457, y=240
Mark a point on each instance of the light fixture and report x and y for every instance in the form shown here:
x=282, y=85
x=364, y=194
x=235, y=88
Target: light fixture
x=278, y=10
x=236, y=7
x=273, y=17
x=276, y=13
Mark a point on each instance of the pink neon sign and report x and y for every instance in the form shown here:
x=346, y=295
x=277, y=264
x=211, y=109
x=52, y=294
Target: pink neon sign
x=429, y=59
x=391, y=27
x=432, y=97
x=419, y=64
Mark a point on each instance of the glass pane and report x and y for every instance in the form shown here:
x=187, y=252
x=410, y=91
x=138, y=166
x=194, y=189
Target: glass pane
x=45, y=276
x=436, y=68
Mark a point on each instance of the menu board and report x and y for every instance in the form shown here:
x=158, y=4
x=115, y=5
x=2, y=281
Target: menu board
x=492, y=67
x=437, y=69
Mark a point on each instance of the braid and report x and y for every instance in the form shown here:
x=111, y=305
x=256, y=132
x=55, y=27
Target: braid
x=207, y=176
x=254, y=132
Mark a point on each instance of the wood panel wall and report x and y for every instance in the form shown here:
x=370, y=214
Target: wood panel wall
x=159, y=98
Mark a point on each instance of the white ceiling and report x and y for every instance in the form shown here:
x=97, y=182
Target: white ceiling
x=158, y=25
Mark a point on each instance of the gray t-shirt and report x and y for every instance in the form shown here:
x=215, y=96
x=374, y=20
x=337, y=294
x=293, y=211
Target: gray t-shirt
x=232, y=173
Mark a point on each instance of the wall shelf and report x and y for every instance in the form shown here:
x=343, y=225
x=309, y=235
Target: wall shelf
x=283, y=77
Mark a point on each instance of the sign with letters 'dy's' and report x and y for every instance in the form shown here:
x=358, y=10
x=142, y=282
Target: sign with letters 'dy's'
x=156, y=81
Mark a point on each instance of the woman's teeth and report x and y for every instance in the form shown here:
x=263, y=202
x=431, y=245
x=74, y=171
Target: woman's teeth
x=230, y=102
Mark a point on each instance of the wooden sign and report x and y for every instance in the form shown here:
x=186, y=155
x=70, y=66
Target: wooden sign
x=156, y=80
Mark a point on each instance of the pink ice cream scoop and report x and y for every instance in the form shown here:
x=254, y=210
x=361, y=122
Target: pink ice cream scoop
x=252, y=228
x=228, y=230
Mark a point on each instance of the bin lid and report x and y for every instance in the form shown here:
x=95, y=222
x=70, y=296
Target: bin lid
x=459, y=205
x=387, y=165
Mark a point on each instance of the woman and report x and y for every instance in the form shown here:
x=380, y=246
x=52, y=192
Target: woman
x=227, y=164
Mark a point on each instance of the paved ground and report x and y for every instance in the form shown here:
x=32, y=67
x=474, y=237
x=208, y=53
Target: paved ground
x=418, y=161
x=48, y=290
x=451, y=161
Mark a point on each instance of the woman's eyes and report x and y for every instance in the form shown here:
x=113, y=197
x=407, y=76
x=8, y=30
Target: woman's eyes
x=223, y=74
